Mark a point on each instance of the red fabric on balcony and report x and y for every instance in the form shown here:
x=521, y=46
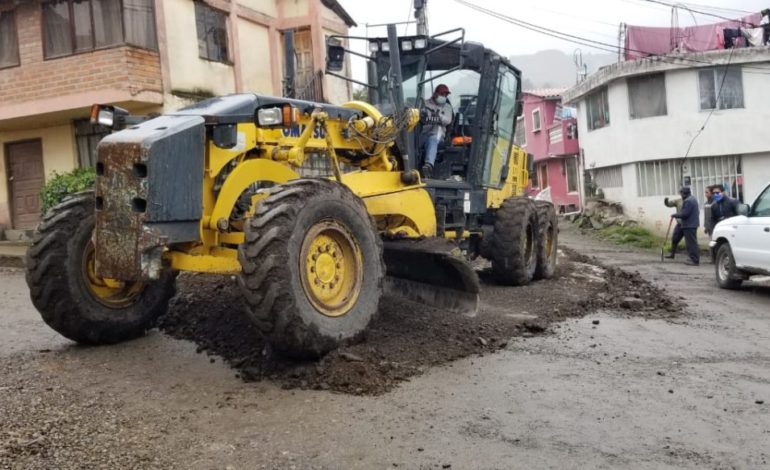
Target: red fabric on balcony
x=644, y=41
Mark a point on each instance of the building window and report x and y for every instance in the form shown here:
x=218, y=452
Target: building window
x=533, y=177
x=714, y=94
x=87, y=137
x=647, y=96
x=543, y=175
x=9, y=43
x=536, y=124
x=572, y=175
x=520, y=137
x=598, y=110
x=609, y=177
x=74, y=26
x=665, y=177
x=212, y=33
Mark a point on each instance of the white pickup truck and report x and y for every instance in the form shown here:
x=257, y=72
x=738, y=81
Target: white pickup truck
x=741, y=244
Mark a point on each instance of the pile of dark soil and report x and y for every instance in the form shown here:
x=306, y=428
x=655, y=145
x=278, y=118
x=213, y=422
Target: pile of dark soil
x=406, y=338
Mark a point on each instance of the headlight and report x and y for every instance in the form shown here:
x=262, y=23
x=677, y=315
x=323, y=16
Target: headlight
x=420, y=43
x=106, y=118
x=270, y=117
x=406, y=45
x=385, y=46
x=374, y=46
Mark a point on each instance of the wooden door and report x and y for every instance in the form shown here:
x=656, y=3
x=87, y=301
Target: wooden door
x=25, y=178
x=303, y=47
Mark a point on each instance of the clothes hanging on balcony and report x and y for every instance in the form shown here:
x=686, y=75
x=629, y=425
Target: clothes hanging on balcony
x=754, y=36
x=733, y=37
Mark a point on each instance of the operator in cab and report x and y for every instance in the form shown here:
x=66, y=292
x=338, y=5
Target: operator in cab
x=436, y=115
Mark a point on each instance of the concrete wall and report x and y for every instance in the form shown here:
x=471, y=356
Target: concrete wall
x=756, y=174
x=58, y=155
x=729, y=132
x=187, y=71
x=268, y=7
x=255, y=58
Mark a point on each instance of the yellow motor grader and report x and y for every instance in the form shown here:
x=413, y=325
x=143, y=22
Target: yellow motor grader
x=215, y=188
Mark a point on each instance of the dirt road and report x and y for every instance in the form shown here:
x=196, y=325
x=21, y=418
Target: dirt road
x=635, y=384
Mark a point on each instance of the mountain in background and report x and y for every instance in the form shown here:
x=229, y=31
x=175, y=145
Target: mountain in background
x=556, y=69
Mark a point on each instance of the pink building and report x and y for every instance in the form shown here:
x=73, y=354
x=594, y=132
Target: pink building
x=548, y=131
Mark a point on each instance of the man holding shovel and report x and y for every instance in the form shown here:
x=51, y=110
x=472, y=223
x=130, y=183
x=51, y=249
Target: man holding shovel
x=687, y=223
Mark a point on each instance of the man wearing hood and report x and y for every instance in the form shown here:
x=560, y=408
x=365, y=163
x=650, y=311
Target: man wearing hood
x=437, y=115
x=688, y=218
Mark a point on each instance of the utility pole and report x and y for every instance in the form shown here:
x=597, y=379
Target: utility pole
x=420, y=14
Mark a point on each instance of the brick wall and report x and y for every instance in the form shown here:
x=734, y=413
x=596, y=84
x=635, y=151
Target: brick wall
x=125, y=68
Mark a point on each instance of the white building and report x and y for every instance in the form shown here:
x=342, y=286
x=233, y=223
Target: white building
x=638, y=118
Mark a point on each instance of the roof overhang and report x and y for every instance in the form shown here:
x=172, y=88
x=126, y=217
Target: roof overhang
x=656, y=64
x=335, y=6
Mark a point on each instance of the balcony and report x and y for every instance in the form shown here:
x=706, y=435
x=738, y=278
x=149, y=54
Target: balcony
x=562, y=137
x=125, y=74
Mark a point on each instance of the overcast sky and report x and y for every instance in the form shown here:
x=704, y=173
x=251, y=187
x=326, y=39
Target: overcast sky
x=597, y=20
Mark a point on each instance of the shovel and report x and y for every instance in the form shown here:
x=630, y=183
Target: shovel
x=663, y=248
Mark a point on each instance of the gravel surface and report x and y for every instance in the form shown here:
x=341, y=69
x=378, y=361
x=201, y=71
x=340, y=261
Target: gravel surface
x=46, y=424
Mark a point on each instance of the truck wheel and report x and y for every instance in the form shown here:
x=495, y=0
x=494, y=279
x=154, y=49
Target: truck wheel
x=312, y=267
x=71, y=298
x=728, y=276
x=547, y=240
x=514, y=247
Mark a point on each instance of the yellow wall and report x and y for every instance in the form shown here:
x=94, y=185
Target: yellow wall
x=188, y=71
x=255, y=58
x=292, y=8
x=58, y=155
x=268, y=7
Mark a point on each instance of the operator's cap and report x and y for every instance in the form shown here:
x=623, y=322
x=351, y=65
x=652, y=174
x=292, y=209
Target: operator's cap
x=442, y=90
x=685, y=190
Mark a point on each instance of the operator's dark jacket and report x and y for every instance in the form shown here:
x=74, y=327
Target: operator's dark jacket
x=689, y=216
x=724, y=209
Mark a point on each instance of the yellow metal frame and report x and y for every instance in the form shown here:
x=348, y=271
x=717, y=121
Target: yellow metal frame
x=274, y=155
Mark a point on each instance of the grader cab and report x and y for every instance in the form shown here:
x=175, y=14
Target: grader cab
x=215, y=188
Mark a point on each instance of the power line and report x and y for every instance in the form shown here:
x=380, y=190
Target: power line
x=603, y=46
x=708, y=118
x=693, y=10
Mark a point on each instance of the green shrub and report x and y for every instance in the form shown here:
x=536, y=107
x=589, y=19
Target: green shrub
x=635, y=235
x=61, y=185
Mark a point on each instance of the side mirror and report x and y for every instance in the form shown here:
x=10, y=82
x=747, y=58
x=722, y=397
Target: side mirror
x=744, y=209
x=335, y=57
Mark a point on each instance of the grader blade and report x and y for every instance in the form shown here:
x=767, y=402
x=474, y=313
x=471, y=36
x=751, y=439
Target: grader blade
x=432, y=272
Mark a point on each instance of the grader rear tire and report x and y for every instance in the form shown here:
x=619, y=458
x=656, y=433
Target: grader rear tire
x=312, y=267
x=71, y=298
x=547, y=240
x=514, y=238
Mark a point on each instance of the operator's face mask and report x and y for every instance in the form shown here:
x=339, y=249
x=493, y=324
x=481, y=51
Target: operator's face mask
x=440, y=99
x=717, y=197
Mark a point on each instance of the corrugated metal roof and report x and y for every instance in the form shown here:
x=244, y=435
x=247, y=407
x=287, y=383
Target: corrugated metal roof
x=547, y=93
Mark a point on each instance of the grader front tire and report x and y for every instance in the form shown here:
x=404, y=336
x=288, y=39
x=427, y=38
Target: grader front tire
x=66, y=291
x=312, y=267
x=514, y=246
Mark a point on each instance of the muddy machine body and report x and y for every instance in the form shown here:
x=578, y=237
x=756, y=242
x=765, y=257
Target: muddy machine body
x=216, y=188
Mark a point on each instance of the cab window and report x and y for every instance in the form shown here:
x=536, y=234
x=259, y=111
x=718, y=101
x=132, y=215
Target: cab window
x=499, y=148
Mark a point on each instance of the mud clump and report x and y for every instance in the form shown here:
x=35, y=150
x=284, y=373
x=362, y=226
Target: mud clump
x=406, y=339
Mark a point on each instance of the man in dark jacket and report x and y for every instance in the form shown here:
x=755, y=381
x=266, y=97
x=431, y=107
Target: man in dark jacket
x=722, y=207
x=689, y=220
